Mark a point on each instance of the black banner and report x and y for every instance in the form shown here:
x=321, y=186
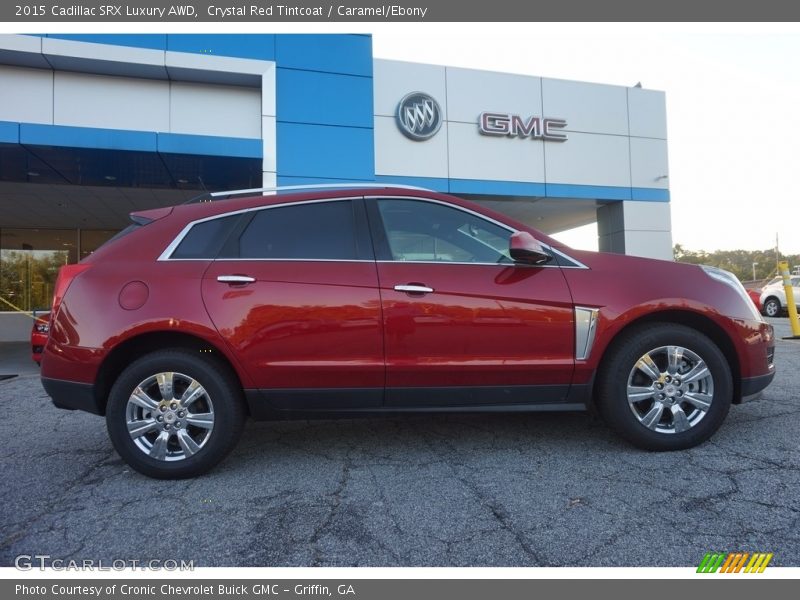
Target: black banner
x=218, y=11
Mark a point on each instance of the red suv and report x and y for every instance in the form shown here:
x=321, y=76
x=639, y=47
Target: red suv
x=372, y=301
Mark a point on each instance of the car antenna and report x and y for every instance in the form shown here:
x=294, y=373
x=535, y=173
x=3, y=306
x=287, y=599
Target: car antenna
x=206, y=197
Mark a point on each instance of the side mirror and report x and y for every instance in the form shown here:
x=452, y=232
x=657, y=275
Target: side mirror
x=526, y=249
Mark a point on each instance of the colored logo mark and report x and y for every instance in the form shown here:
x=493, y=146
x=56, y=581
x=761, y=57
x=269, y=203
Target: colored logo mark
x=734, y=562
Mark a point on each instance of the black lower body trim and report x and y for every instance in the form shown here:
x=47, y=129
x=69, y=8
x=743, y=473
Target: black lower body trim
x=753, y=385
x=72, y=395
x=275, y=404
x=467, y=396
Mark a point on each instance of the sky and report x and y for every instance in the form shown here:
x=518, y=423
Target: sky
x=732, y=93
x=733, y=109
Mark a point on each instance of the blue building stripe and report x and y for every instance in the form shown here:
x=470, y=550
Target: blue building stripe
x=502, y=188
x=602, y=192
x=151, y=41
x=289, y=180
x=522, y=188
x=331, y=53
x=86, y=137
x=322, y=151
x=9, y=132
x=240, y=45
x=438, y=184
x=35, y=134
x=650, y=194
x=255, y=46
x=178, y=143
x=324, y=98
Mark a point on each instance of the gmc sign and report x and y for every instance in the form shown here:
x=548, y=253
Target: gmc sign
x=505, y=124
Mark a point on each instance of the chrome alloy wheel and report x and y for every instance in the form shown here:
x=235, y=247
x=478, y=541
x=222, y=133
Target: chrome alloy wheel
x=169, y=416
x=670, y=389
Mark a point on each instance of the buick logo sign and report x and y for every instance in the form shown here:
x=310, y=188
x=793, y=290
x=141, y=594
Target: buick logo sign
x=419, y=116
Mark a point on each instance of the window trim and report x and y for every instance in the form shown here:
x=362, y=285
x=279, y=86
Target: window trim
x=166, y=255
x=576, y=264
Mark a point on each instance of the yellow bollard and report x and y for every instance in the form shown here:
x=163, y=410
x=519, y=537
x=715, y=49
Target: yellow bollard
x=794, y=321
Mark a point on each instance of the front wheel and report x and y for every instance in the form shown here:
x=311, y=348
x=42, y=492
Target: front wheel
x=772, y=308
x=665, y=387
x=172, y=414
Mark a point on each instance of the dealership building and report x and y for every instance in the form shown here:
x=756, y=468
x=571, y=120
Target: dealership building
x=95, y=126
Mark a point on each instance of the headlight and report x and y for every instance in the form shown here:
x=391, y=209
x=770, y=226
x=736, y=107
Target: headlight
x=733, y=282
x=43, y=327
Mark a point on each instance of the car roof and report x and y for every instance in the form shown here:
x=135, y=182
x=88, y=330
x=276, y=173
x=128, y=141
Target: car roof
x=210, y=206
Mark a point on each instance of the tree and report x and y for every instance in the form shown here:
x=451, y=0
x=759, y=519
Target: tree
x=739, y=262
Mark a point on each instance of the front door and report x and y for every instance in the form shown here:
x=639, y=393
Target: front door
x=463, y=324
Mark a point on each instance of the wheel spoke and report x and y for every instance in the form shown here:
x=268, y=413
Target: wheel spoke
x=204, y=420
x=159, y=449
x=674, y=356
x=165, y=385
x=638, y=393
x=139, y=428
x=679, y=420
x=697, y=372
x=187, y=443
x=653, y=416
x=141, y=398
x=648, y=367
x=192, y=393
x=698, y=400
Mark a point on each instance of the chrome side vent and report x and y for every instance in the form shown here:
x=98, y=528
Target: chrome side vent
x=585, y=327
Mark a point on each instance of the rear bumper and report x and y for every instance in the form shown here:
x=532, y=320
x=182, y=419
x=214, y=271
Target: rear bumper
x=72, y=395
x=753, y=387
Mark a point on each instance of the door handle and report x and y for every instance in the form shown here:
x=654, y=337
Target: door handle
x=413, y=288
x=231, y=279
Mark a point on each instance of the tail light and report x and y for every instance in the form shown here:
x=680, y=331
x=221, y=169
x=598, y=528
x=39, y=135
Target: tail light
x=66, y=275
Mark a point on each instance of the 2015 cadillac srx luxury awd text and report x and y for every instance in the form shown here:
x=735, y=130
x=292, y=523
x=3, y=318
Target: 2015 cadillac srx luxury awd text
x=344, y=301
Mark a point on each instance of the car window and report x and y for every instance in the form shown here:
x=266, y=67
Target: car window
x=205, y=239
x=425, y=231
x=320, y=230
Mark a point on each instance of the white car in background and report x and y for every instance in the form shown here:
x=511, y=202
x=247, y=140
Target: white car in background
x=773, y=296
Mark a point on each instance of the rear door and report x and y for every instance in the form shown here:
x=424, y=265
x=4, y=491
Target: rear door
x=464, y=325
x=294, y=293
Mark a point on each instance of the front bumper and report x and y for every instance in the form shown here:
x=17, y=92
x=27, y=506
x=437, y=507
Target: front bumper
x=753, y=387
x=72, y=395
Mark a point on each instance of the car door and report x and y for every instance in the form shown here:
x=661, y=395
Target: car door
x=294, y=294
x=464, y=324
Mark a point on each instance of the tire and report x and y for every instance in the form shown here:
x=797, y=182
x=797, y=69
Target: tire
x=639, y=361
x=170, y=439
x=772, y=307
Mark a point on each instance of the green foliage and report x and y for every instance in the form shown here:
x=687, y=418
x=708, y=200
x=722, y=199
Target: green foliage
x=738, y=262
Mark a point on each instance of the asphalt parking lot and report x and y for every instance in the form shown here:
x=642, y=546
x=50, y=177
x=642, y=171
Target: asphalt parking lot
x=468, y=490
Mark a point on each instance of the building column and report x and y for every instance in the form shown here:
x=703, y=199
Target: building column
x=269, y=111
x=635, y=228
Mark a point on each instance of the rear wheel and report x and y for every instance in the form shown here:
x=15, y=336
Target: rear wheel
x=772, y=308
x=172, y=414
x=665, y=387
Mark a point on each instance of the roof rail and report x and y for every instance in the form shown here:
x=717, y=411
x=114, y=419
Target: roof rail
x=209, y=196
